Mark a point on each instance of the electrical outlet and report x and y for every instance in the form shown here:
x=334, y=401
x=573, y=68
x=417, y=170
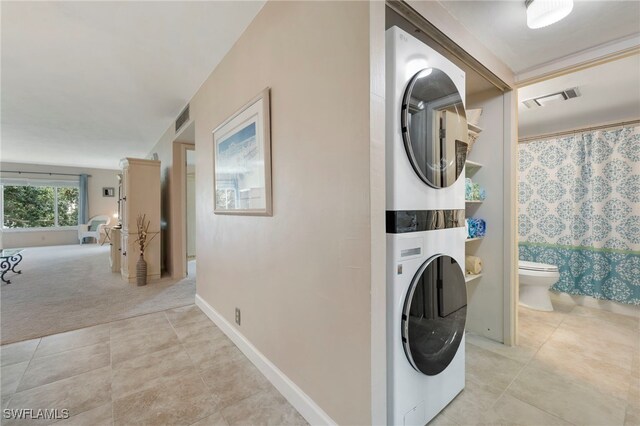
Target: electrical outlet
x=238, y=316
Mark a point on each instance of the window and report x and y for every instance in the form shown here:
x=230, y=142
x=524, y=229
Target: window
x=67, y=202
x=226, y=198
x=226, y=193
x=39, y=206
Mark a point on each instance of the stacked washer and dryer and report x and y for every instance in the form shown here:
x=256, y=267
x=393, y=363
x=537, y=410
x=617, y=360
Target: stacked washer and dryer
x=426, y=147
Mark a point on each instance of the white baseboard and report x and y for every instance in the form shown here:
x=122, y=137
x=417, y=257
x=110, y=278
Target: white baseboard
x=296, y=397
x=605, y=305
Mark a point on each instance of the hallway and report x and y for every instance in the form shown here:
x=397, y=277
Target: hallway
x=172, y=367
x=177, y=367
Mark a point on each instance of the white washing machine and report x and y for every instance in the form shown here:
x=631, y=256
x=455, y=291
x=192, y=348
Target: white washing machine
x=426, y=148
x=426, y=316
x=426, y=127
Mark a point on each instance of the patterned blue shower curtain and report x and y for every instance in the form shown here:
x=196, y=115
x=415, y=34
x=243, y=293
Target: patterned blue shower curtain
x=579, y=208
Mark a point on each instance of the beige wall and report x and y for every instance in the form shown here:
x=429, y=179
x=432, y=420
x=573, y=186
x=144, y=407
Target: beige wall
x=191, y=214
x=163, y=148
x=301, y=277
x=98, y=205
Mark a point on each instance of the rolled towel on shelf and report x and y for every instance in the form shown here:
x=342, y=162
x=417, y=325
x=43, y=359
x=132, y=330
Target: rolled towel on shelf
x=473, y=228
x=475, y=192
x=473, y=265
x=468, y=187
x=481, y=228
x=476, y=228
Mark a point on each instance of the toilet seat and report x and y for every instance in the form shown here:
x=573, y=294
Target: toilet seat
x=534, y=266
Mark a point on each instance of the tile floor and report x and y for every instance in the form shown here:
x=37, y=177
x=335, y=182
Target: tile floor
x=173, y=367
x=575, y=366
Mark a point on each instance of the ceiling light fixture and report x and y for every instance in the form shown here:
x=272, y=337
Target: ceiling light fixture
x=541, y=13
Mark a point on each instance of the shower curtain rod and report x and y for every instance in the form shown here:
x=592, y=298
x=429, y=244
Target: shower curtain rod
x=39, y=173
x=573, y=132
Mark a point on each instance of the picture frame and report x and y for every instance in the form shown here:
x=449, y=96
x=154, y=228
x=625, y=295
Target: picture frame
x=108, y=192
x=242, y=160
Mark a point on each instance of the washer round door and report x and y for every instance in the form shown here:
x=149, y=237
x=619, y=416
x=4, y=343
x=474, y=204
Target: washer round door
x=434, y=127
x=434, y=315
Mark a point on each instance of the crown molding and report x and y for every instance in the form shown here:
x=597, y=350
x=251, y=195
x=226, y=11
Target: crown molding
x=603, y=53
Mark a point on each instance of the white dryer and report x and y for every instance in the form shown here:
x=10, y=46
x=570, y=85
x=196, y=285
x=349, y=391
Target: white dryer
x=426, y=127
x=426, y=147
x=426, y=316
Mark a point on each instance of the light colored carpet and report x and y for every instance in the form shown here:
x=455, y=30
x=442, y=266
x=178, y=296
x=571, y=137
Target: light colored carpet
x=64, y=288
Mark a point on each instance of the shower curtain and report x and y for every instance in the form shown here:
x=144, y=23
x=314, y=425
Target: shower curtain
x=579, y=209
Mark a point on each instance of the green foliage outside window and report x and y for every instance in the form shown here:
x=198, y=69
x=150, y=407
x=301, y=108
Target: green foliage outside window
x=67, y=206
x=35, y=206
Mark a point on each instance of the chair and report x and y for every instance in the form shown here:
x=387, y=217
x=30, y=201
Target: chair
x=93, y=229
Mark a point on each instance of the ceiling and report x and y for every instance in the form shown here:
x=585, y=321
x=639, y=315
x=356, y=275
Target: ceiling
x=502, y=27
x=609, y=93
x=87, y=83
x=475, y=83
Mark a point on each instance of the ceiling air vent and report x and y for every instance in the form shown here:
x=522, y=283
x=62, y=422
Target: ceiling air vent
x=552, y=97
x=182, y=118
x=572, y=93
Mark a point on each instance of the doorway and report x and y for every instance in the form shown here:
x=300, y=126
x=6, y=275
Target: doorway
x=190, y=208
x=183, y=201
x=489, y=102
x=578, y=132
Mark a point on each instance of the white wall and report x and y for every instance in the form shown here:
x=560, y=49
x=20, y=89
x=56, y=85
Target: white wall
x=98, y=205
x=302, y=277
x=486, y=296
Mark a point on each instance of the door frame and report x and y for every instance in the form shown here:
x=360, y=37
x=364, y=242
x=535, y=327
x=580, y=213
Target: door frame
x=178, y=234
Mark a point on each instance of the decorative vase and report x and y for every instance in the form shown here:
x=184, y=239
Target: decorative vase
x=141, y=271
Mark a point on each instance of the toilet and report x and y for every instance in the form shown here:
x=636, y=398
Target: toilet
x=535, y=280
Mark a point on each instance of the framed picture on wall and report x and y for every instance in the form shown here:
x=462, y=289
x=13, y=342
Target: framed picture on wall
x=242, y=161
x=108, y=192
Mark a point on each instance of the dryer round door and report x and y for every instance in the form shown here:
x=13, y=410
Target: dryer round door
x=434, y=127
x=434, y=315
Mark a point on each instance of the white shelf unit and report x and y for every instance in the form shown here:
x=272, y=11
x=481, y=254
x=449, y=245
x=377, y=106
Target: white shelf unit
x=475, y=129
x=487, y=165
x=472, y=167
x=471, y=277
